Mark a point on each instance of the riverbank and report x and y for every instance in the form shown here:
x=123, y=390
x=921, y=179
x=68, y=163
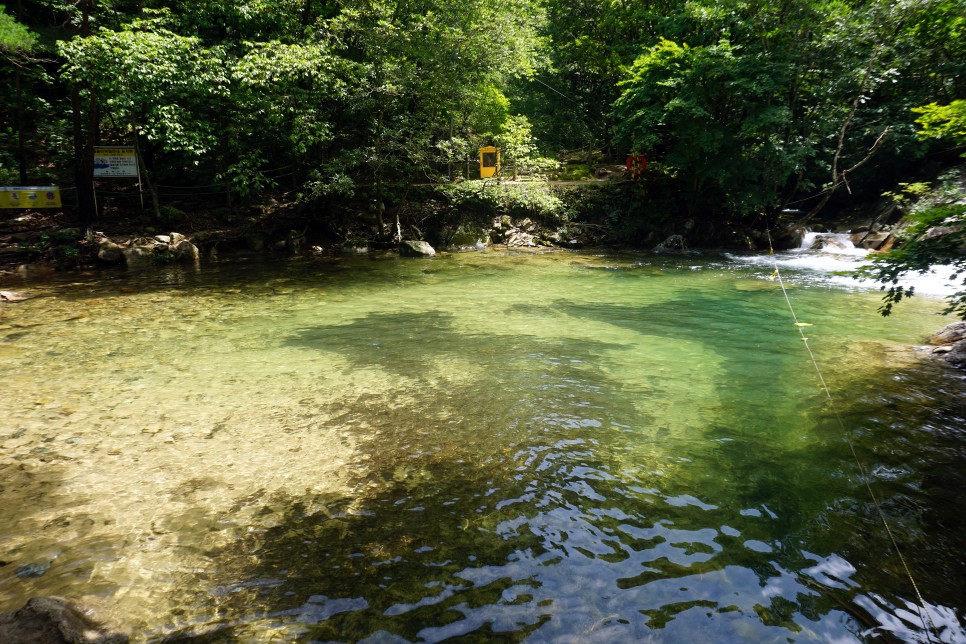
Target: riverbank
x=474, y=215
x=570, y=214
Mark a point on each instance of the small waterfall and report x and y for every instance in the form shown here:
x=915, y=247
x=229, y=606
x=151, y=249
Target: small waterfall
x=832, y=257
x=837, y=243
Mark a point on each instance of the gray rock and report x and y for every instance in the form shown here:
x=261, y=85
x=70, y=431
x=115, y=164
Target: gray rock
x=468, y=236
x=957, y=357
x=164, y=239
x=412, y=248
x=940, y=231
x=951, y=333
x=674, y=243
x=873, y=241
x=176, y=238
x=53, y=620
x=517, y=238
x=138, y=256
x=108, y=251
x=186, y=251
x=951, y=341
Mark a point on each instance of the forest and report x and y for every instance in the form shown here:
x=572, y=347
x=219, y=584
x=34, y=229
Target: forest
x=350, y=111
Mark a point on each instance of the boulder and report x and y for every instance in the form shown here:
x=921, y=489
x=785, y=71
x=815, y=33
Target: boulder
x=673, y=244
x=184, y=250
x=53, y=620
x=954, y=332
x=957, y=356
x=138, y=256
x=468, y=236
x=874, y=241
x=518, y=238
x=412, y=248
x=108, y=251
x=951, y=344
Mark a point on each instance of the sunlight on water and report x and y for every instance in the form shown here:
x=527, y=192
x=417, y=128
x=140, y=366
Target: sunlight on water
x=560, y=446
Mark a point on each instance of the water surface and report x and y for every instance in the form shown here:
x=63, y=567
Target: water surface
x=546, y=447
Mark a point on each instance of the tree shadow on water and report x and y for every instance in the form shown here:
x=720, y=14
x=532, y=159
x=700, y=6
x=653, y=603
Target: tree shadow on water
x=523, y=522
x=409, y=343
x=397, y=342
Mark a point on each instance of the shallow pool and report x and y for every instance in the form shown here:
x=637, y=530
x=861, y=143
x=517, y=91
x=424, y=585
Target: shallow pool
x=566, y=447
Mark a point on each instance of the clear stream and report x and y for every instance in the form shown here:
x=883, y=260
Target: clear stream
x=496, y=446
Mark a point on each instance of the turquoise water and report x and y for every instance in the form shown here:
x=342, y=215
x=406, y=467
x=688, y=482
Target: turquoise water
x=498, y=446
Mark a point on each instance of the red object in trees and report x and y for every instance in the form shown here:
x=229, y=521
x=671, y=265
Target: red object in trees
x=636, y=164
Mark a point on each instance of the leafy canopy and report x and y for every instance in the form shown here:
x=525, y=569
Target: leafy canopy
x=13, y=35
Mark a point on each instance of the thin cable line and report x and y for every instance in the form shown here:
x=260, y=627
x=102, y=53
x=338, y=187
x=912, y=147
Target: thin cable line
x=862, y=471
x=554, y=89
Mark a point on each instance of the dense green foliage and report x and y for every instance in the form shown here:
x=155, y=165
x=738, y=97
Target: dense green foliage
x=13, y=35
x=943, y=121
x=744, y=107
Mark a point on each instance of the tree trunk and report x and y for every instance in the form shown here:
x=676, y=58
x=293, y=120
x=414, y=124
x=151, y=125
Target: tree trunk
x=83, y=165
x=152, y=189
x=84, y=146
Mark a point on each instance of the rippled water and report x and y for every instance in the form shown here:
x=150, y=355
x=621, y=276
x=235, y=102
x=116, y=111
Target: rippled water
x=552, y=447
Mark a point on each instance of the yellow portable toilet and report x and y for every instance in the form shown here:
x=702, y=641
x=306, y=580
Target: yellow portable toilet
x=489, y=161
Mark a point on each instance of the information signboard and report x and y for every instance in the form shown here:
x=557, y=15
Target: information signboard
x=115, y=162
x=30, y=197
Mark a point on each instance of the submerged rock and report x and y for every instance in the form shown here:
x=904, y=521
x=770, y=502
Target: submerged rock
x=412, y=248
x=29, y=570
x=12, y=296
x=53, y=620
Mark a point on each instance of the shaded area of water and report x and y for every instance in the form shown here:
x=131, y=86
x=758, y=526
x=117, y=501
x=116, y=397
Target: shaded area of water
x=556, y=447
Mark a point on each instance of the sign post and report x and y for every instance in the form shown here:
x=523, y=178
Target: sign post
x=117, y=161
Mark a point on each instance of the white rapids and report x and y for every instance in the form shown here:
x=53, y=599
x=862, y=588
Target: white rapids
x=832, y=258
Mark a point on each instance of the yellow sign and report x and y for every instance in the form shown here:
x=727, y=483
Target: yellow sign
x=30, y=197
x=489, y=161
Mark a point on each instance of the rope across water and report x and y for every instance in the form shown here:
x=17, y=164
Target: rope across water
x=931, y=628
